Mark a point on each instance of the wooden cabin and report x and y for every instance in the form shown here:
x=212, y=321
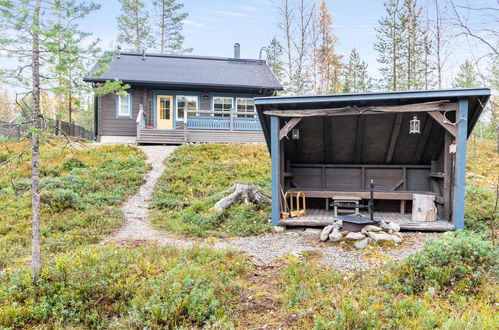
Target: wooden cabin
x=176, y=99
x=412, y=145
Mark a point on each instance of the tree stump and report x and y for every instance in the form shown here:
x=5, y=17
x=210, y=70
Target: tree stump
x=423, y=208
x=246, y=193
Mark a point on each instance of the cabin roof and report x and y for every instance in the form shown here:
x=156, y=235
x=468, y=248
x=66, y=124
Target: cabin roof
x=189, y=71
x=477, y=99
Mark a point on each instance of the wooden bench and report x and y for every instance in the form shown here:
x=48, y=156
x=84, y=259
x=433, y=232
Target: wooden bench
x=401, y=196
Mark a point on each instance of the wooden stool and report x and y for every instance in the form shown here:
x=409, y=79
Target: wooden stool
x=347, y=200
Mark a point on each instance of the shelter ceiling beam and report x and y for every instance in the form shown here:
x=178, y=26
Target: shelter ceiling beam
x=288, y=126
x=355, y=110
x=394, y=137
x=440, y=118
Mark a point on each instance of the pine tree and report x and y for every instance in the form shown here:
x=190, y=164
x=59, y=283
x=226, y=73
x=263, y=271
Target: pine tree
x=328, y=62
x=356, y=78
x=68, y=58
x=134, y=30
x=275, y=52
x=33, y=42
x=389, y=46
x=170, y=21
x=414, y=45
x=467, y=76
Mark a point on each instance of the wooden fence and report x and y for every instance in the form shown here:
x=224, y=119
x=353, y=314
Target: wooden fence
x=15, y=130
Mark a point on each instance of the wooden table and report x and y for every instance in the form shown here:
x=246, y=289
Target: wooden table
x=346, y=199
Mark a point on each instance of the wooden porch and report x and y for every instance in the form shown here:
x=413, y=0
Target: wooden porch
x=203, y=127
x=322, y=218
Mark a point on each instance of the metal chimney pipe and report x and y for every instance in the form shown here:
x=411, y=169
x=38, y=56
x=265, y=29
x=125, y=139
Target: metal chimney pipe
x=143, y=54
x=237, y=50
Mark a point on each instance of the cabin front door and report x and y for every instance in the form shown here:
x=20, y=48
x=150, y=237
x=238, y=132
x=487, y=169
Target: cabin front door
x=164, y=111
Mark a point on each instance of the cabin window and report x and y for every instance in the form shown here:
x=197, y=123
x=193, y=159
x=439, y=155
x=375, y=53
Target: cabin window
x=245, y=107
x=223, y=106
x=184, y=104
x=124, y=105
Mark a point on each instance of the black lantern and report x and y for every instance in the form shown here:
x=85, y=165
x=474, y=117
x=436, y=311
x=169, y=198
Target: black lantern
x=415, y=125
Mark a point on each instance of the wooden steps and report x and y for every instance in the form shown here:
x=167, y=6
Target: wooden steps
x=161, y=136
x=177, y=136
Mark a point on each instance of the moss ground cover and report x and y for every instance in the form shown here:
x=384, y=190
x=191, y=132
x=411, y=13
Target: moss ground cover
x=196, y=177
x=119, y=287
x=81, y=192
x=452, y=284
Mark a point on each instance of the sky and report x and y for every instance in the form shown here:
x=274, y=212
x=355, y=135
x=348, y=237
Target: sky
x=213, y=26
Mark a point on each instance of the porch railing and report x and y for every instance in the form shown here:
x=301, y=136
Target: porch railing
x=141, y=120
x=222, y=120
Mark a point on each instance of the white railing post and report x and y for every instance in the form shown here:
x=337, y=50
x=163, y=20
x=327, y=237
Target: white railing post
x=141, y=123
x=186, y=113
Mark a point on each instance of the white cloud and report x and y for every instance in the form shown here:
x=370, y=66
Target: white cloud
x=196, y=24
x=230, y=13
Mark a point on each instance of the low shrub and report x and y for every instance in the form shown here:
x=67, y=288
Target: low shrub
x=196, y=177
x=460, y=262
x=111, y=287
x=80, y=192
x=60, y=199
x=479, y=209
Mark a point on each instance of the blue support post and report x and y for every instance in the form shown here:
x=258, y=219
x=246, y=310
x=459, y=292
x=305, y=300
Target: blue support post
x=274, y=151
x=460, y=166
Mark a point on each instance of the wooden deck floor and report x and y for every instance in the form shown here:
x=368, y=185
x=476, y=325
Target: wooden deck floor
x=321, y=218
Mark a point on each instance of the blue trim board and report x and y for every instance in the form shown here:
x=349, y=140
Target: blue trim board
x=274, y=137
x=460, y=170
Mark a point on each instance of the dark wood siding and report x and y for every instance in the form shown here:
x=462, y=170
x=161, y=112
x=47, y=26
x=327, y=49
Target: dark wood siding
x=109, y=124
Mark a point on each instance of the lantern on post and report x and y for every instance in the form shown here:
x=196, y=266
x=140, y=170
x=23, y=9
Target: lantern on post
x=415, y=125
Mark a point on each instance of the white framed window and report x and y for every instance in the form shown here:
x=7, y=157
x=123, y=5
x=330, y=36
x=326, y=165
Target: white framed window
x=223, y=104
x=124, y=105
x=184, y=103
x=245, y=107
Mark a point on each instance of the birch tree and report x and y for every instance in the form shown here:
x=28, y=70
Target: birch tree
x=171, y=18
x=440, y=38
x=134, y=29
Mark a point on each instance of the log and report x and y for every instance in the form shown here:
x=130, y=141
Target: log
x=246, y=193
x=423, y=208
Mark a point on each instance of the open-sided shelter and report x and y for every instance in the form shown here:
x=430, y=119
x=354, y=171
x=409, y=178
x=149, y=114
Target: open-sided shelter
x=411, y=144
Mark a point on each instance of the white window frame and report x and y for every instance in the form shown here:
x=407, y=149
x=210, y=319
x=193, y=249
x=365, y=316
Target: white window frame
x=245, y=115
x=177, y=118
x=223, y=97
x=129, y=107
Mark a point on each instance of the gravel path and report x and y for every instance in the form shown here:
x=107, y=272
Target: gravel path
x=136, y=208
x=263, y=248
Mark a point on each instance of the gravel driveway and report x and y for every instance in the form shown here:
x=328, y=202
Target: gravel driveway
x=263, y=248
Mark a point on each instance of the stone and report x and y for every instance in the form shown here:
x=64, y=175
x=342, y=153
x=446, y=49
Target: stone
x=336, y=226
x=279, y=229
x=394, y=226
x=399, y=234
x=339, y=223
x=396, y=239
x=371, y=228
x=344, y=232
x=313, y=230
x=325, y=232
x=362, y=244
x=335, y=236
x=364, y=231
x=383, y=225
x=381, y=237
x=355, y=236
